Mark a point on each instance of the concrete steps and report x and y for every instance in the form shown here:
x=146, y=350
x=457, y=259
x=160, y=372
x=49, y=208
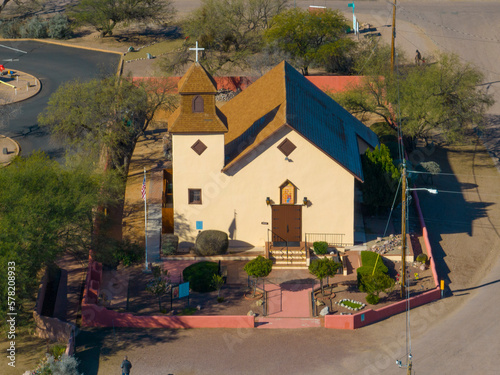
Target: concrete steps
x=294, y=258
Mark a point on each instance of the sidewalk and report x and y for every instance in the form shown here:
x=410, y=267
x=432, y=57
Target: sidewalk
x=11, y=148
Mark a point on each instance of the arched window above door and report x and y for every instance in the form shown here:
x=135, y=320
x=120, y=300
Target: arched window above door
x=288, y=193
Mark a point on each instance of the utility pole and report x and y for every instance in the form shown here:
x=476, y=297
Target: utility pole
x=393, y=48
x=408, y=372
x=403, y=235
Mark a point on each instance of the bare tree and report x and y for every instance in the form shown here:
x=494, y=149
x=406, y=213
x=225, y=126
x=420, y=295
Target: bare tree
x=8, y=110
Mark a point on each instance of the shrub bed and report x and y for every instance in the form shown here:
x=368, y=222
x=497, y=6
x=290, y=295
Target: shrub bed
x=200, y=276
x=320, y=247
x=368, y=261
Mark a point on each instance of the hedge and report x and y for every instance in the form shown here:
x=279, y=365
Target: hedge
x=368, y=261
x=200, y=276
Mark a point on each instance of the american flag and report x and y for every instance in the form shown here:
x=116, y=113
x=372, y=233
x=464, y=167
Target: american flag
x=143, y=189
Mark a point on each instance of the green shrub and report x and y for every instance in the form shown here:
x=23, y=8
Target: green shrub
x=422, y=258
x=211, y=242
x=322, y=268
x=320, y=247
x=188, y=311
x=369, y=261
x=57, y=350
x=35, y=27
x=393, y=148
x=372, y=259
x=59, y=27
x=376, y=283
x=200, y=276
x=258, y=267
x=169, y=244
x=382, y=129
x=372, y=299
x=381, y=179
x=10, y=29
x=128, y=253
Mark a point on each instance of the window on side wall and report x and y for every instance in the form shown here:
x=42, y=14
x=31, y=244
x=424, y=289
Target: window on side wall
x=194, y=196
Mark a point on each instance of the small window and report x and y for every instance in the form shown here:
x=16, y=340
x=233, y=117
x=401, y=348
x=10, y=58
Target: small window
x=286, y=147
x=194, y=196
x=198, y=105
x=199, y=147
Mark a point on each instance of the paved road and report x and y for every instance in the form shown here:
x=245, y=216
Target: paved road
x=52, y=65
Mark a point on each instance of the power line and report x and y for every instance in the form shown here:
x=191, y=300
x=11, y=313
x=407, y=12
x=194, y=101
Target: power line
x=453, y=174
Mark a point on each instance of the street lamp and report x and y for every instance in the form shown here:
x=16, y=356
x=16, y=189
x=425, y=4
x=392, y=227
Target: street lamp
x=432, y=191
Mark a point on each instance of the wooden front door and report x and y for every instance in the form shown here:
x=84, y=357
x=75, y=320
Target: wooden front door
x=287, y=223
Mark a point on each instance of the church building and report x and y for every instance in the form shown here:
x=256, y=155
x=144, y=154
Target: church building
x=277, y=163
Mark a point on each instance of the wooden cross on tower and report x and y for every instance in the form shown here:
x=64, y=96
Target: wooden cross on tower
x=197, y=49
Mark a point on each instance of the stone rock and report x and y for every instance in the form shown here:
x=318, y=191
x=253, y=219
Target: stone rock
x=198, y=307
x=324, y=311
x=422, y=267
x=251, y=313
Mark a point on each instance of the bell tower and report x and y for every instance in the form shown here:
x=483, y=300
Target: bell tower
x=198, y=128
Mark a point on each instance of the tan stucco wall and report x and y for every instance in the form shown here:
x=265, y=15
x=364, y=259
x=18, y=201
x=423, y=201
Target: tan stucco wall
x=235, y=202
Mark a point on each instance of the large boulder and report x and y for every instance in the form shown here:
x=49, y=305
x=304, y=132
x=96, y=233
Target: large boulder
x=211, y=242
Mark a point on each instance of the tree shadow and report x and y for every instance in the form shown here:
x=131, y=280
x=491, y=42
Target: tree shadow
x=448, y=212
x=297, y=285
x=98, y=344
x=153, y=33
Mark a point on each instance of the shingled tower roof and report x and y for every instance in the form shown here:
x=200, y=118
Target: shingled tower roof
x=197, y=82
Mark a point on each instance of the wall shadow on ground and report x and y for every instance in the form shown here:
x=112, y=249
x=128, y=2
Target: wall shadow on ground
x=95, y=345
x=448, y=212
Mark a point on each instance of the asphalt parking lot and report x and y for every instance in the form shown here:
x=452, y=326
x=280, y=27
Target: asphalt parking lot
x=53, y=65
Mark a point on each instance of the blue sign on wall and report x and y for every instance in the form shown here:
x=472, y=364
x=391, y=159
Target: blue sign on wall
x=199, y=225
x=184, y=290
x=362, y=317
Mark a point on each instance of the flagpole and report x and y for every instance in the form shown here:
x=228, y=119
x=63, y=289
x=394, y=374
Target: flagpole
x=145, y=220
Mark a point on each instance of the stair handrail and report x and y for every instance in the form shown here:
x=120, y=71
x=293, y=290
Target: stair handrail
x=277, y=235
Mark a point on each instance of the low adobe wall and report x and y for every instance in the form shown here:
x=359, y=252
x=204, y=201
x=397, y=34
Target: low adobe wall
x=425, y=236
x=94, y=315
x=371, y=316
x=50, y=328
x=98, y=316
